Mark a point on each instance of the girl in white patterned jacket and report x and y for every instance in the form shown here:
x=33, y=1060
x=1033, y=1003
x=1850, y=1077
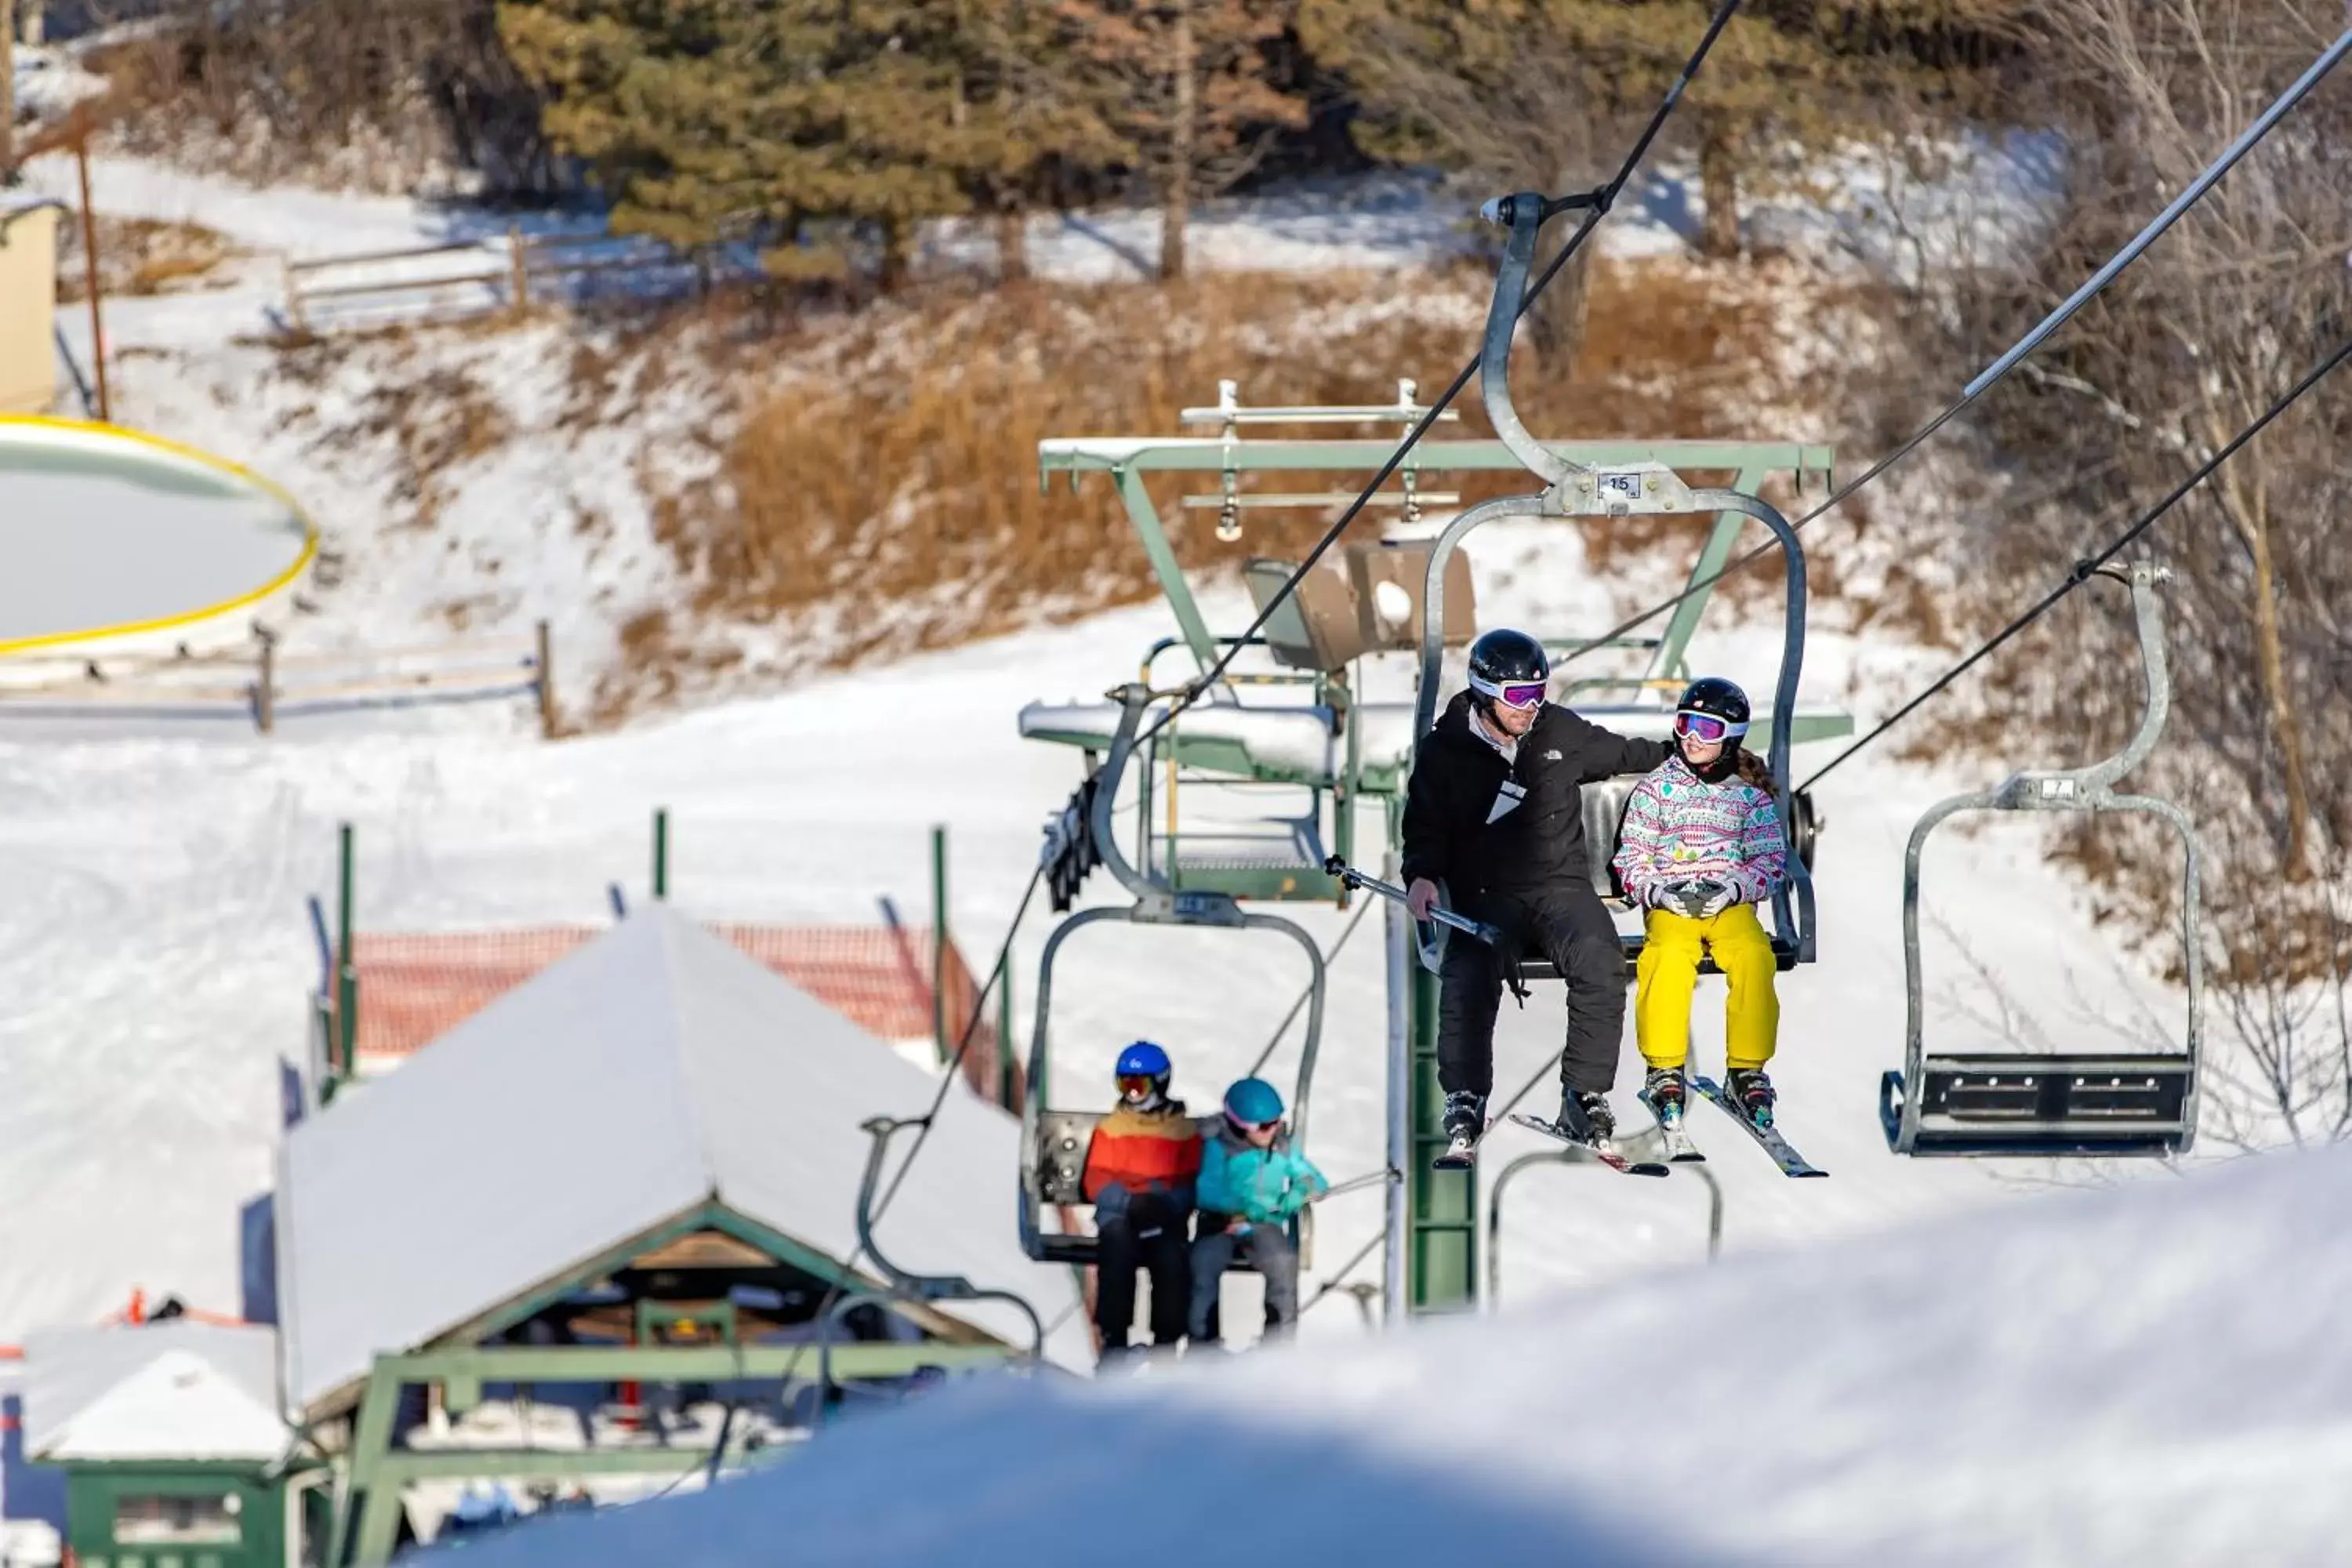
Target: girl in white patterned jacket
x=1702, y=846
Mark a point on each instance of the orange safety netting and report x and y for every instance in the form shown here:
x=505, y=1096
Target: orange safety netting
x=415, y=987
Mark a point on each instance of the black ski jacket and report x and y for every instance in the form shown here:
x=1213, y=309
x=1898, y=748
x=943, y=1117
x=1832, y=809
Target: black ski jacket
x=1463, y=824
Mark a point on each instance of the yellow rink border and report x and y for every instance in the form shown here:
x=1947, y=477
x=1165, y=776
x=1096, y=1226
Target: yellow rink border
x=205, y=460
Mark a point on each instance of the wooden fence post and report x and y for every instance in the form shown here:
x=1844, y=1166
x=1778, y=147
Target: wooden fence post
x=294, y=315
x=265, y=691
x=548, y=724
x=518, y=258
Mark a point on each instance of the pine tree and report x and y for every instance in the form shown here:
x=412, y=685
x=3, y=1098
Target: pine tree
x=1022, y=113
x=707, y=119
x=1513, y=90
x=1188, y=88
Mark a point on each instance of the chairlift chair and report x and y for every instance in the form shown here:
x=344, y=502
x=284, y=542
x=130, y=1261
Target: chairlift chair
x=2030, y=1103
x=1054, y=1141
x=1573, y=489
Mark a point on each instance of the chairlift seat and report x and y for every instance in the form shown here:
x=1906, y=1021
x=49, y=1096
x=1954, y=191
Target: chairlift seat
x=1993, y=1103
x=1061, y=1155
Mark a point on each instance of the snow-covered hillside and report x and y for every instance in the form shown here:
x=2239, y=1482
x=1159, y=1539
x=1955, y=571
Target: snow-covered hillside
x=2153, y=1376
x=160, y=959
x=158, y=945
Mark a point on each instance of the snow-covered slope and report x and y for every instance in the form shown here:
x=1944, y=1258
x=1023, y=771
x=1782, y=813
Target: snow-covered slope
x=157, y=946
x=2143, y=1377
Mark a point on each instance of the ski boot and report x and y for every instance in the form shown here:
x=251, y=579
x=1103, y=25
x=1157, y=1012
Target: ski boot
x=1663, y=1089
x=1465, y=1120
x=1585, y=1114
x=1751, y=1091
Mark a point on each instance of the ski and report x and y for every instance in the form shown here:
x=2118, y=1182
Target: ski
x=1767, y=1137
x=1680, y=1150
x=1602, y=1152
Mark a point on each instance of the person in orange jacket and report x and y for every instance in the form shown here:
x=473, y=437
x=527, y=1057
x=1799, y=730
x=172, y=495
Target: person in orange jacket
x=1140, y=1167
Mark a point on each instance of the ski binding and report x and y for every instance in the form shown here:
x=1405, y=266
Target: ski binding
x=1680, y=1150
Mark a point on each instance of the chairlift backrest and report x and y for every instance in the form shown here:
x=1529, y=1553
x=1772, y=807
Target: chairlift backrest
x=1316, y=626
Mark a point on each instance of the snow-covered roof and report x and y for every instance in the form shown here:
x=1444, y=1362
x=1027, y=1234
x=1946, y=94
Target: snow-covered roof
x=651, y=1072
x=171, y=1390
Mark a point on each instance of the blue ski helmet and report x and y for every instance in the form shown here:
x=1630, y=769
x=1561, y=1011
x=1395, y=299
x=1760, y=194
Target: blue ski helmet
x=1254, y=1102
x=1143, y=1059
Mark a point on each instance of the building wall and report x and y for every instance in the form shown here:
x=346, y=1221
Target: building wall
x=96, y=1495
x=28, y=296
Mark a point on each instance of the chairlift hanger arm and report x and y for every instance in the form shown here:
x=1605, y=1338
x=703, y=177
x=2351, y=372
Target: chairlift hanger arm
x=1524, y=213
x=921, y=1289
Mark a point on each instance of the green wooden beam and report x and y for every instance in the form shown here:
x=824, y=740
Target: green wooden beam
x=1164, y=566
x=546, y=1464
x=673, y=1364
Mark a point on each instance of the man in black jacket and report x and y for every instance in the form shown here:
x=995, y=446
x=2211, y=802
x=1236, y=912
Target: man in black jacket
x=1496, y=811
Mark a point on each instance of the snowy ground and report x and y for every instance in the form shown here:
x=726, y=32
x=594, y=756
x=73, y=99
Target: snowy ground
x=156, y=940
x=158, y=952
x=2090, y=1381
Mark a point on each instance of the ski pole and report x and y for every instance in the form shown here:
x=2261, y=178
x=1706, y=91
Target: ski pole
x=1350, y=876
x=1349, y=1185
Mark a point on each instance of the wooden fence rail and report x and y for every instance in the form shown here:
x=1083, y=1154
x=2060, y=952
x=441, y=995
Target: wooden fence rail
x=505, y=275
x=282, y=684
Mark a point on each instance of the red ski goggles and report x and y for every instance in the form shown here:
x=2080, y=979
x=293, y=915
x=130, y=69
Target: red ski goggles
x=1135, y=1086
x=1706, y=727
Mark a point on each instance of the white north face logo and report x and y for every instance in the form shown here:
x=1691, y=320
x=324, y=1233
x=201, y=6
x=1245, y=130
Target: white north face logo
x=1551, y=756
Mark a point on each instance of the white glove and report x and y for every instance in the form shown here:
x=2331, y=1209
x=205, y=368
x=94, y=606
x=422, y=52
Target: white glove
x=1715, y=902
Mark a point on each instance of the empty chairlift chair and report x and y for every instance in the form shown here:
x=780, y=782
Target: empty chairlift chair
x=2027, y=1103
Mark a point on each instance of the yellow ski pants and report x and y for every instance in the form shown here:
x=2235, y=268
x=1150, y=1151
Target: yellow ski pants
x=1667, y=972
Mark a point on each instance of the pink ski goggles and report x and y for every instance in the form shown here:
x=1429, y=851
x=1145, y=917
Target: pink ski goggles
x=1512, y=693
x=1706, y=727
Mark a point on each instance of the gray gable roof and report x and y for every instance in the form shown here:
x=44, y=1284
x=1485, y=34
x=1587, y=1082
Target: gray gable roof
x=653, y=1070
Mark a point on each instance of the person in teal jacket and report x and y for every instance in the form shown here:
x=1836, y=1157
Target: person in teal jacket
x=1250, y=1186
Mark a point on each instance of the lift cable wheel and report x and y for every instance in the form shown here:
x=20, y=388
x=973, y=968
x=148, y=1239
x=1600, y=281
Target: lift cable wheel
x=2026, y=1103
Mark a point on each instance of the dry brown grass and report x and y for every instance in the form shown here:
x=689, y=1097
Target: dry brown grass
x=139, y=257
x=889, y=501
x=437, y=421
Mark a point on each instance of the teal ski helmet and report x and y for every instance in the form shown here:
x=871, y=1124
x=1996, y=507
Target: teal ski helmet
x=1254, y=1102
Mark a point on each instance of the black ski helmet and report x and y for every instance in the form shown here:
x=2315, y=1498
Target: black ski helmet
x=1505, y=658
x=1718, y=699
